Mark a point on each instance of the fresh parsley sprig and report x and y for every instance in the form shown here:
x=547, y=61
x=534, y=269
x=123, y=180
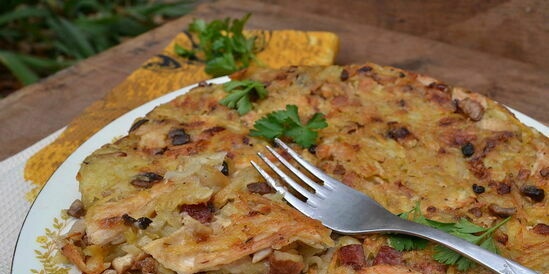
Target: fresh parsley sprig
x=286, y=123
x=462, y=229
x=221, y=45
x=242, y=93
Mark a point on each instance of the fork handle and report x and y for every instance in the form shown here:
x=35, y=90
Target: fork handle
x=476, y=253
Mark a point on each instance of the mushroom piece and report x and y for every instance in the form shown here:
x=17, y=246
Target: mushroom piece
x=502, y=212
x=76, y=209
x=471, y=108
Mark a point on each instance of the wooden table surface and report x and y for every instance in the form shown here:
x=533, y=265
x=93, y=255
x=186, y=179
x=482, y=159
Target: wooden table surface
x=499, y=48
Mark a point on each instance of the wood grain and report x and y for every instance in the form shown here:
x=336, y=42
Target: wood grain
x=516, y=29
x=40, y=109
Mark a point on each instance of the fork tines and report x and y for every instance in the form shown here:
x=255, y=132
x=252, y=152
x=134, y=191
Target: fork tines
x=320, y=191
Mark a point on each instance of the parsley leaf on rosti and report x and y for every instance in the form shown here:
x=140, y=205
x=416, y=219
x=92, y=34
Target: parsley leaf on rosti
x=286, y=123
x=242, y=93
x=463, y=229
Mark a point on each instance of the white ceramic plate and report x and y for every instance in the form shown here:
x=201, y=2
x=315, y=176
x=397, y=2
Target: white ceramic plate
x=62, y=189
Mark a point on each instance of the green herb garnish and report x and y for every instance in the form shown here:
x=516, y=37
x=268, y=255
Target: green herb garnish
x=286, y=123
x=462, y=229
x=242, y=93
x=183, y=52
x=221, y=45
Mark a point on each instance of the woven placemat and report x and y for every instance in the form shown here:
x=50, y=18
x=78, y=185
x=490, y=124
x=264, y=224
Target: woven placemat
x=167, y=72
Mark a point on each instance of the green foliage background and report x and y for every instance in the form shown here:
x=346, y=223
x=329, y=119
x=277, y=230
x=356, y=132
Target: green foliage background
x=40, y=37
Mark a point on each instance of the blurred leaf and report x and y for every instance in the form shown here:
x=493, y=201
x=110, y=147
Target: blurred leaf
x=43, y=64
x=18, y=68
x=22, y=13
x=71, y=40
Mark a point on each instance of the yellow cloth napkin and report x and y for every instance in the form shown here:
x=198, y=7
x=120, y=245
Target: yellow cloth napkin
x=167, y=72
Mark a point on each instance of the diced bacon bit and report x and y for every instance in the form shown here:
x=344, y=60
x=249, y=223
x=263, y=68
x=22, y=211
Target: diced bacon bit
x=339, y=169
x=503, y=188
x=476, y=211
x=284, y=266
x=213, y=130
x=542, y=229
x=148, y=265
x=461, y=138
x=260, y=188
x=388, y=255
x=352, y=255
x=501, y=237
x=76, y=209
x=523, y=174
x=476, y=165
x=473, y=109
x=200, y=212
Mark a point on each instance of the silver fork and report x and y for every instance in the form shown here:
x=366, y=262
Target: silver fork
x=347, y=211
